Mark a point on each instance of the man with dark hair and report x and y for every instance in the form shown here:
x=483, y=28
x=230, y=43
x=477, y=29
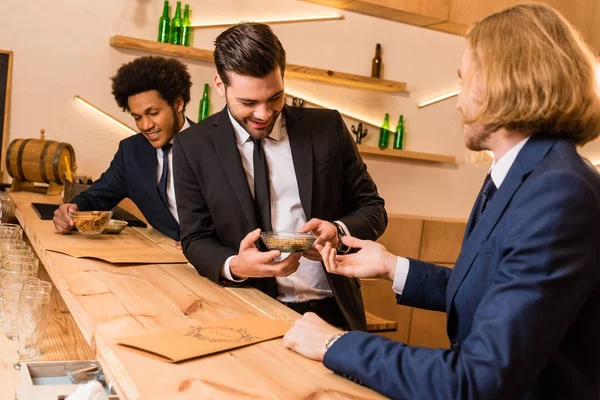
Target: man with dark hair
x=261, y=164
x=155, y=90
x=523, y=300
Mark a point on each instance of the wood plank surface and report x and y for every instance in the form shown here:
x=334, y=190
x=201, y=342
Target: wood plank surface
x=411, y=155
x=109, y=302
x=291, y=70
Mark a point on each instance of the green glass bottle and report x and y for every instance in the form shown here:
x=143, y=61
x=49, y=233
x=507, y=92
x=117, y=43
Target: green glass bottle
x=175, y=34
x=164, y=24
x=186, y=27
x=384, y=132
x=399, y=135
x=204, y=105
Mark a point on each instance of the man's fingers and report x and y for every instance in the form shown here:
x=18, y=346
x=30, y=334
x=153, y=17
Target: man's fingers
x=248, y=241
x=353, y=242
x=310, y=225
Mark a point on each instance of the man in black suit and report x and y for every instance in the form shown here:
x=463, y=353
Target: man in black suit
x=261, y=164
x=155, y=90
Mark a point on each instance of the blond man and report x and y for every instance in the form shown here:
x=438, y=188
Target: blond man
x=523, y=301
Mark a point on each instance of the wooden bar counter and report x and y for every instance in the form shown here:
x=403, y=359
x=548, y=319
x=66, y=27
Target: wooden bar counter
x=111, y=301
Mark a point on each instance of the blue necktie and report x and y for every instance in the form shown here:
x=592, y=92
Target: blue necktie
x=162, y=183
x=485, y=195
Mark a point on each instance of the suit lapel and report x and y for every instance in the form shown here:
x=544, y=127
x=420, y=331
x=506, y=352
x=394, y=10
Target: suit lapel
x=224, y=141
x=529, y=157
x=302, y=156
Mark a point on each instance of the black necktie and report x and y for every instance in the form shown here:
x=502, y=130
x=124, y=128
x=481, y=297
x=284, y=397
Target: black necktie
x=162, y=183
x=485, y=195
x=262, y=198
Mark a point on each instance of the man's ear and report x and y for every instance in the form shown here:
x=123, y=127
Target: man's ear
x=178, y=103
x=219, y=84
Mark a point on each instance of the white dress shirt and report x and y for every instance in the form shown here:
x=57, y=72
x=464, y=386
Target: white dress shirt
x=309, y=282
x=498, y=171
x=170, y=183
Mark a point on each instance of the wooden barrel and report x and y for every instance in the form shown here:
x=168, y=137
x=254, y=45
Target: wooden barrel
x=38, y=160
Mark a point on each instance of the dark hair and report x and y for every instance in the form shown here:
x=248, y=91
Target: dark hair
x=168, y=76
x=249, y=49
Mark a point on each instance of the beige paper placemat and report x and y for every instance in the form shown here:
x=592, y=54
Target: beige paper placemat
x=199, y=340
x=125, y=255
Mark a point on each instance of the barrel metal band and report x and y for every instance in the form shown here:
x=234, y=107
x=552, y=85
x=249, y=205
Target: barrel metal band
x=43, y=160
x=20, y=159
x=8, y=158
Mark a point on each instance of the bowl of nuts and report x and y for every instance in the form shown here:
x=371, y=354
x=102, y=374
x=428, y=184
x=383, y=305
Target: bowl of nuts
x=115, y=226
x=90, y=222
x=288, y=242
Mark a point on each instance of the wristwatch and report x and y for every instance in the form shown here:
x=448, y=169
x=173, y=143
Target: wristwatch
x=341, y=247
x=329, y=342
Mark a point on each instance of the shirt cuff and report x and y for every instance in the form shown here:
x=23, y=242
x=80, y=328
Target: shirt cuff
x=344, y=227
x=402, y=266
x=226, y=271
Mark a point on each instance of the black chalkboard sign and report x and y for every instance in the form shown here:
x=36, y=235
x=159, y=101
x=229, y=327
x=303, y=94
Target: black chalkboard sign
x=5, y=85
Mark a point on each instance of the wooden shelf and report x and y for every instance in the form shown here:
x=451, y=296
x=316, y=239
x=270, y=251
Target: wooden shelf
x=291, y=71
x=406, y=154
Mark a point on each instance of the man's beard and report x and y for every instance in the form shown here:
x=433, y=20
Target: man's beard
x=476, y=136
x=263, y=133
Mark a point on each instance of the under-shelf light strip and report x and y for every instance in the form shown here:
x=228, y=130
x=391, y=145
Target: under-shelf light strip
x=104, y=114
x=323, y=105
x=272, y=21
x=439, y=98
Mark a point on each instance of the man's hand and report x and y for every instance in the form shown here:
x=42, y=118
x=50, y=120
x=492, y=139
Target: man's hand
x=325, y=232
x=371, y=261
x=177, y=245
x=61, y=219
x=308, y=336
x=252, y=263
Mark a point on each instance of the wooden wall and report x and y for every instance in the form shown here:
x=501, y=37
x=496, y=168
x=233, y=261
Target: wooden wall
x=432, y=240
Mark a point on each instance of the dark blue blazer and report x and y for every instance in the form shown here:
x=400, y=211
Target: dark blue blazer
x=132, y=174
x=522, y=303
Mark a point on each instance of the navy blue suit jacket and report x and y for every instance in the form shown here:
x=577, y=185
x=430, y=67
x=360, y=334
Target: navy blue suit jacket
x=132, y=174
x=522, y=303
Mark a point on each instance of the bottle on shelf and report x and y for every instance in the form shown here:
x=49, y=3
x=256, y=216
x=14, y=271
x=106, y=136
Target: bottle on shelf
x=175, y=34
x=384, y=132
x=186, y=27
x=164, y=24
x=204, y=104
x=399, y=135
x=376, y=63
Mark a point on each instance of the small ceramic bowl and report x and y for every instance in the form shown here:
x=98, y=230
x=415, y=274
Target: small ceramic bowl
x=90, y=222
x=288, y=242
x=115, y=226
x=83, y=371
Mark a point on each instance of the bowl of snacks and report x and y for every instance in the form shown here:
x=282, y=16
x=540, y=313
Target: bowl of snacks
x=115, y=226
x=90, y=222
x=288, y=242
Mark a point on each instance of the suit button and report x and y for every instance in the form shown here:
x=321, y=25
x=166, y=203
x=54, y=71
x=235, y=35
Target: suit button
x=455, y=346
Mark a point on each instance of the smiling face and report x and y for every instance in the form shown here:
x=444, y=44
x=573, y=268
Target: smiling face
x=470, y=101
x=255, y=103
x=155, y=118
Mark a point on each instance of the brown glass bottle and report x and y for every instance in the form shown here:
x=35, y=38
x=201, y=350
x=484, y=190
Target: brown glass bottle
x=376, y=64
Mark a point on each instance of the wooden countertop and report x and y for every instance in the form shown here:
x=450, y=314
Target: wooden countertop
x=109, y=302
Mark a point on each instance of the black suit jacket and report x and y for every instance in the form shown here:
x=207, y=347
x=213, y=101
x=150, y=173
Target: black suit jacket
x=216, y=208
x=132, y=174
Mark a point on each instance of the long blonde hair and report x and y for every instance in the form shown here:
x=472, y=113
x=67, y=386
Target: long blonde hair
x=538, y=74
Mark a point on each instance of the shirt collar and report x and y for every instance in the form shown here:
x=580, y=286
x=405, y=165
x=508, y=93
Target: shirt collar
x=500, y=169
x=186, y=124
x=243, y=136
